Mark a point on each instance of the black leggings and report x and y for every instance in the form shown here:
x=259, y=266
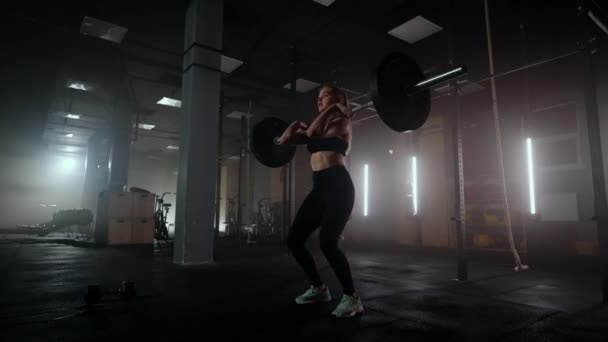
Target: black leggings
x=328, y=205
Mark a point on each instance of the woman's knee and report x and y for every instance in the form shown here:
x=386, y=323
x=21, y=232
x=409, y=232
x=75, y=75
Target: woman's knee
x=329, y=246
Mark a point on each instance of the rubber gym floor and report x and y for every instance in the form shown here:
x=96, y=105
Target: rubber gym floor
x=408, y=295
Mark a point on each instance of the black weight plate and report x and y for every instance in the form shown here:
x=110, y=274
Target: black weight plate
x=401, y=106
x=263, y=146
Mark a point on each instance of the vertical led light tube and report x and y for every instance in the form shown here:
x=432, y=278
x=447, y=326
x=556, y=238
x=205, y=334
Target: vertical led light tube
x=415, y=185
x=531, y=176
x=365, y=189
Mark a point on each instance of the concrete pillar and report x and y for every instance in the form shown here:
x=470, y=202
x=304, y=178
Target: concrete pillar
x=193, y=243
x=120, y=142
x=96, y=170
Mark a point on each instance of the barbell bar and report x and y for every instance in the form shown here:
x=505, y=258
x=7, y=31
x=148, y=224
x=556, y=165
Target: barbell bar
x=485, y=78
x=400, y=94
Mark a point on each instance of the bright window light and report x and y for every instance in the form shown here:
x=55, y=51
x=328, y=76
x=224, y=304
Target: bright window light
x=66, y=164
x=146, y=126
x=166, y=101
x=69, y=135
x=171, y=147
x=390, y=151
x=73, y=116
x=415, y=185
x=531, y=176
x=365, y=189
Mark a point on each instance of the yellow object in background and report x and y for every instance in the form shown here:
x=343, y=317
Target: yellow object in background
x=483, y=240
x=491, y=219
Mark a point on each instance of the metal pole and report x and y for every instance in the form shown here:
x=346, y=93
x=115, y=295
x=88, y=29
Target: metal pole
x=248, y=199
x=284, y=209
x=293, y=64
x=218, y=181
x=595, y=152
x=239, y=214
x=459, y=208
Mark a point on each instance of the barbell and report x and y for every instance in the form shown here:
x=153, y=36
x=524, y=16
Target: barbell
x=400, y=94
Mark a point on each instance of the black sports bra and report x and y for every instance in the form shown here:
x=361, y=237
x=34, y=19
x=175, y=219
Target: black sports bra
x=327, y=144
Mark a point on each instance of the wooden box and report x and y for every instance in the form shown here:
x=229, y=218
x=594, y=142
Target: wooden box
x=120, y=231
x=143, y=205
x=120, y=205
x=143, y=231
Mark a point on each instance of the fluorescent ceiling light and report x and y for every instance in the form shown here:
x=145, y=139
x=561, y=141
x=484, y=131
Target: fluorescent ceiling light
x=171, y=147
x=102, y=29
x=166, y=101
x=302, y=85
x=237, y=115
x=73, y=116
x=415, y=29
x=146, y=126
x=69, y=135
x=228, y=64
x=324, y=2
x=78, y=86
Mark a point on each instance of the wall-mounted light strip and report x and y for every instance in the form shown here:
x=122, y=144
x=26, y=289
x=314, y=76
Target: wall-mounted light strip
x=440, y=78
x=415, y=185
x=365, y=189
x=531, y=176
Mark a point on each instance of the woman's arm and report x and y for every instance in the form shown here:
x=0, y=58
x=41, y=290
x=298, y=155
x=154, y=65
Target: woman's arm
x=319, y=126
x=295, y=134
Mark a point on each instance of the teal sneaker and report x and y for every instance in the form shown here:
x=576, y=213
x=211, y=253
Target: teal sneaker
x=348, y=307
x=314, y=295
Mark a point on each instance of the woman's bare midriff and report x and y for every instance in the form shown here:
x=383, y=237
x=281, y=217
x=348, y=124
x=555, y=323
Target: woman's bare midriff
x=325, y=159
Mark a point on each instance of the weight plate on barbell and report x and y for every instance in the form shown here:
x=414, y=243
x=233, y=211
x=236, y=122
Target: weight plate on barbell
x=399, y=104
x=263, y=146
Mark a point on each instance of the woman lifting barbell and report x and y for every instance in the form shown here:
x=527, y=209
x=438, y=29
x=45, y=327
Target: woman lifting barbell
x=331, y=200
